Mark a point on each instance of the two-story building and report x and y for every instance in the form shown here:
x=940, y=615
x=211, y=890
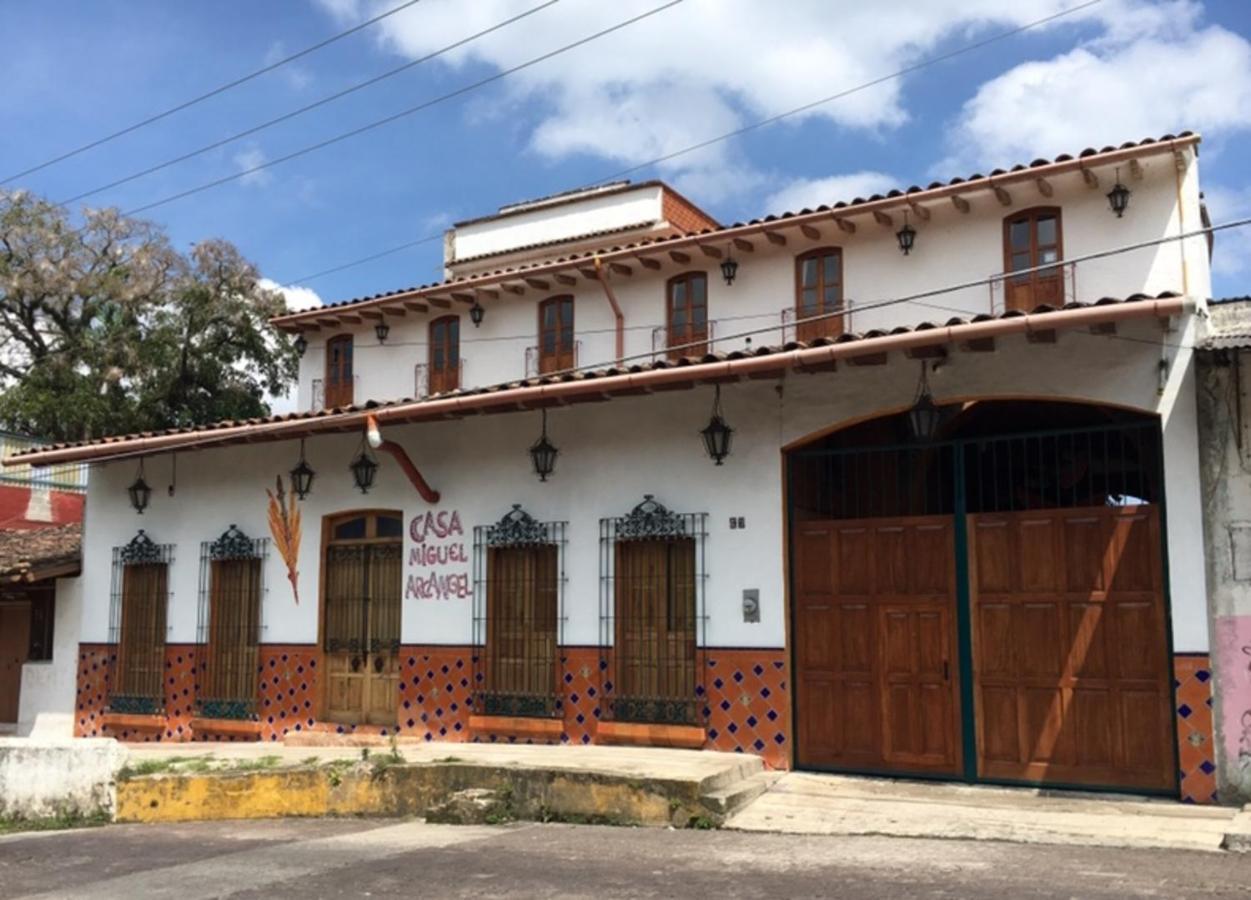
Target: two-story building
x=905, y=484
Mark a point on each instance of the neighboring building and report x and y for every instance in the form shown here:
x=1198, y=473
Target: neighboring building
x=1003, y=588
x=41, y=514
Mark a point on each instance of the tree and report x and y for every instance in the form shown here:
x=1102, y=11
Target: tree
x=106, y=329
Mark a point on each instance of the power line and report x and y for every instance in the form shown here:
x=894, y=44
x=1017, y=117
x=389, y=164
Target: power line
x=771, y=120
x=330, y=98
x=404, y=113
x=213, y=93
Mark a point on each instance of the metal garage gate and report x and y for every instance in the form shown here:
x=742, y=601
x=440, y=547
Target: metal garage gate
x=990, y=608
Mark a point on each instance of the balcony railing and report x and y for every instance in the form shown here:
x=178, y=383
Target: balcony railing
x=807, y=328
x=555, y=362
x=339, y=394
x=1054, y=286
x=424, y=386
x=682, y=343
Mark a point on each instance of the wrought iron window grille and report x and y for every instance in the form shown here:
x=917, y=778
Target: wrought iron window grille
x=230, y=620
x=654, y=625
x=137, y=665
x=518, y=616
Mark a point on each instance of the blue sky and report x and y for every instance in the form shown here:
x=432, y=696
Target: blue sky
x=1117, y=70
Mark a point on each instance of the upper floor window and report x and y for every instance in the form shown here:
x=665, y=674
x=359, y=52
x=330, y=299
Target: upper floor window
x=819, y=292
x=339, y=378
x=1032, y=238
x=444, y=354
x=556, y=347
x=687, y=315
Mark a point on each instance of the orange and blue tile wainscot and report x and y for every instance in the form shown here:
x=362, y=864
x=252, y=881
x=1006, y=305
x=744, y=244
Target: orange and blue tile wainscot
x=744, y=698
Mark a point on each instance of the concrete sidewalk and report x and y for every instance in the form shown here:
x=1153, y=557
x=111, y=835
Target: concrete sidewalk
x=809, y=803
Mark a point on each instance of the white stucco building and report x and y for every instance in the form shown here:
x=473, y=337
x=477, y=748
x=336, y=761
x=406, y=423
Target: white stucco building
x=1004, y=588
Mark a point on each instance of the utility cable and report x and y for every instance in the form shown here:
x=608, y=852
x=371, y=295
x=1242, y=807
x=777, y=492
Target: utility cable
x=330, y=98
x=771, y=120
x=404, y=113
x=230, y=85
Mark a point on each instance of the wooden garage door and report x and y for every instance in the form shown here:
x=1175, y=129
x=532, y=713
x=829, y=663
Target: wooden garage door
x=1071, y=669
x=874, y=625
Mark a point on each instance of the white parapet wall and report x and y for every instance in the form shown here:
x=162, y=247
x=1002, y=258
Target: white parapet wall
x=41, y=779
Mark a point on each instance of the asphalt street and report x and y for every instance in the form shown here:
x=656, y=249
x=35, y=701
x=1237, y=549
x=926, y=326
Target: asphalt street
x=362, y=858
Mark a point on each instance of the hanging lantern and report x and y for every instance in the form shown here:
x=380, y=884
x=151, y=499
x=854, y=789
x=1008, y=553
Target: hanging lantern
x=382, y=329
x=364, y=468
x=717, y=435
x=729, y=267
x=925, y=415
x=476, y=313
x=1118, y=197
x=301, y=343
x=140, y=492
x=906, y=236
x=543, y=453
x=302, y=475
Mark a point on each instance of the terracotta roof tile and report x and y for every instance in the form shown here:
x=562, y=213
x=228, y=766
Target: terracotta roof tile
x=25, y=553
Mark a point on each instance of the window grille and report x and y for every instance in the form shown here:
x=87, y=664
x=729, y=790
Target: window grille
x=137, y=615
x=518, y=625
x=652, y=612
x=232, y=590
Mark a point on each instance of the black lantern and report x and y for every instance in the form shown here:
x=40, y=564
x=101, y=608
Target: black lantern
x=907, y=236
x=140, y=492
x=1118, y=197
x=364, y=468
x=301, y=343
x=543, y=453
x=729, y=268
x=476, y=312
x=302, y=475
x=382, y=329
x=924, y=416
x=717, y=435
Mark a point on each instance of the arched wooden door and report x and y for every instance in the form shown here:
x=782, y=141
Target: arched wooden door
x=361, y=605
x=991, y=606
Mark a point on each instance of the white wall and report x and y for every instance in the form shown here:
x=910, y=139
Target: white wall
x=951, y=248
x=615, y=452
x=47, y=699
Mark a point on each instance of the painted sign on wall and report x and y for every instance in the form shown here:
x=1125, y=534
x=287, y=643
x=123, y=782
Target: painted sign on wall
x=438, y=563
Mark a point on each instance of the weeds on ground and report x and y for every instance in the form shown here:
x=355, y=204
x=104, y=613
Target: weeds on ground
x=260, y=763
x=58, y=822
x=172, y=765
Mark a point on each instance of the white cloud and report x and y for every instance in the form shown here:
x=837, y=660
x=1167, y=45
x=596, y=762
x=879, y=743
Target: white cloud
x=294, y=74
x=297, y=297
x=699, y=69
x=1106, y=92
x=1232, y=256
x=812, y=192
x=249, y=158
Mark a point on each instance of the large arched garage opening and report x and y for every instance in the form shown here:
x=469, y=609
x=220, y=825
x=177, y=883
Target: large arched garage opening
x=989, y=604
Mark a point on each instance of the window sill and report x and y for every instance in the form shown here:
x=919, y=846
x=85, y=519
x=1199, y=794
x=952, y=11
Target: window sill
x=689, y=737
x=234, y=727
x=133, y=721
x=516, y=726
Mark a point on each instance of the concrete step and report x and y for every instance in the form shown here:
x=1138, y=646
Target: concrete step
x=727, y=800
x=740, y=768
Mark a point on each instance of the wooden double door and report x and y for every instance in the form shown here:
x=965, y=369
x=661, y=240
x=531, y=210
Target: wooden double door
x=362, y=632
x=1066, y=650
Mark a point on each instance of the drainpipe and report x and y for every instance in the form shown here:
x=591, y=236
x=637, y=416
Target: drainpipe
x=374, y=435
x=616, y=309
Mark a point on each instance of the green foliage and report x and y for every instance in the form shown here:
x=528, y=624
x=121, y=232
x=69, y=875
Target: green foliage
x=59, y=822
x=108, y=321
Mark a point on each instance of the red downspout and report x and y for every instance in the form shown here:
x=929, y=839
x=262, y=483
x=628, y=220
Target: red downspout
x=374, y=436
x=616, y=310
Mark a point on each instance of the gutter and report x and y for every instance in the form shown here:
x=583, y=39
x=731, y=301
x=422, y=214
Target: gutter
x=556, y=393
x=373, y=434
x=616, y=309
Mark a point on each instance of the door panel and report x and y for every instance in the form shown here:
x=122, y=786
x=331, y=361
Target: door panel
x=1070, y=648
x=361, y=633
x=14, y=646
x=874, y=630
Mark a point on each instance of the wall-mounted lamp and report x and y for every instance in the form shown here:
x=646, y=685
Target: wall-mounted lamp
x=543, y=453
x=476, y=313
x=1118, y=197
x=907, y=236
x=140, y=492
x=301, y=343
x=382, y=329
x=729, y=267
